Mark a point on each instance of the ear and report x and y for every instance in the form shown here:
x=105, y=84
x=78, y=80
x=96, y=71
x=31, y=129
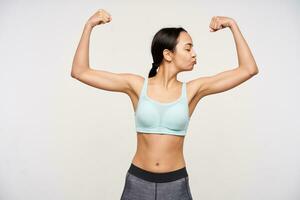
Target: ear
x=168, y=55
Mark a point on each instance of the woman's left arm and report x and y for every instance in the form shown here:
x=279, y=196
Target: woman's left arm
x=245, y=57
x=231, y=78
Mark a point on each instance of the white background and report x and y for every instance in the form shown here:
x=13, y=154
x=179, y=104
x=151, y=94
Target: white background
x=63, y=140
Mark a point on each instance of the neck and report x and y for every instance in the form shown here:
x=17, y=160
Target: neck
x=166, y=76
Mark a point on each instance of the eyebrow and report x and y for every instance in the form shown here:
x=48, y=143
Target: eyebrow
x=188, y=44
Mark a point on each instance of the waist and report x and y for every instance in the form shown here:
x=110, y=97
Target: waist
x=159, y=153
x=157, y=177
x=158, y=163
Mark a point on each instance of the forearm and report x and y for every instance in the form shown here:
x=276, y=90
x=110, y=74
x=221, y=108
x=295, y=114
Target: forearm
x=81, y=58
x=245, y=57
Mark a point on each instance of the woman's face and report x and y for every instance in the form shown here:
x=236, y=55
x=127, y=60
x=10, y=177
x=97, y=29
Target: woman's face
x=184, y=55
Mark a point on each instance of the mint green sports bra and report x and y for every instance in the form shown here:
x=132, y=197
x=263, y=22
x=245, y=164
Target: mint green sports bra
x=155, y=117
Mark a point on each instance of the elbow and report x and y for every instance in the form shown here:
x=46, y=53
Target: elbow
x=73, y=75
x=76, y=72
x=254, y=71
x=251, y=70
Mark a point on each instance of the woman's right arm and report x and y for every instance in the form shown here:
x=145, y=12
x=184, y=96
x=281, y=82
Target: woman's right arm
x=118, y=82
x=81, y=58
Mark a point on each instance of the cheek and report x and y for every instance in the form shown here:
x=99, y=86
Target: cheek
x=182, y=62
x=182, y=58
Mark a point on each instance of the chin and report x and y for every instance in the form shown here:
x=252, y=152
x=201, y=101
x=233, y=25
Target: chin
x=190, y=69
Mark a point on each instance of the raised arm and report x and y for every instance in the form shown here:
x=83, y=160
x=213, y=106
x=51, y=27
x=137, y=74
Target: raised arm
x=226, y=80
x=118, y=82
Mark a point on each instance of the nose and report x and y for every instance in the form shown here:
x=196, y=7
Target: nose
x=194, y=57
x=194, y=54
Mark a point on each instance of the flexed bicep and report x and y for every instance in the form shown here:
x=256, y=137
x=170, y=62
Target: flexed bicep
x=105, y=80
x=223, y=81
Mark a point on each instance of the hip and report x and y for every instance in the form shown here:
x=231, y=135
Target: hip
x=141, y=184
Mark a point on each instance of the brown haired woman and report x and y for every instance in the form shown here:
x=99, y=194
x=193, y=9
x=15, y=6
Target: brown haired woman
x=162, y=104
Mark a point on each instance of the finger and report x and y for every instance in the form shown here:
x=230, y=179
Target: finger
x=104, y=19
x=214, y=25
x=221, y=26
x=212, y=21
x=211, y=24
x=217, y=22
x=99, y=11
x=220, y=23
x=108, y=19
x=99, y=14
x=211, y=28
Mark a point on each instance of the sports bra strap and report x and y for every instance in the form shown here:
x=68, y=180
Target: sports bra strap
x=144, y=89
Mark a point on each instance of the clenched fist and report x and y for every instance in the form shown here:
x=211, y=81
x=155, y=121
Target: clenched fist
x=220, y=22
x=100, y=17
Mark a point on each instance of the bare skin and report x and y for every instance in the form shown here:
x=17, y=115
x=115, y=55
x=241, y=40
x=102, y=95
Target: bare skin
x=159, y=152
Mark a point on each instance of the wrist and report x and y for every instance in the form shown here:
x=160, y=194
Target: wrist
x=232, y=24
x=88, y=25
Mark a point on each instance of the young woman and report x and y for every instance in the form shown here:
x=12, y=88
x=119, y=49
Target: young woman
x=162, y=104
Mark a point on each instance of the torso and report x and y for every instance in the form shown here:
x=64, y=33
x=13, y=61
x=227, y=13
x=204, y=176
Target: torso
x=159, y=152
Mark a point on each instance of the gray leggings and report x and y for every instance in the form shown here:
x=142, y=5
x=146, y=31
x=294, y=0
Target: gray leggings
x=145, y=185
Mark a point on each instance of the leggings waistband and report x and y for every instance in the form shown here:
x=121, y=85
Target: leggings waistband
x=157, y=177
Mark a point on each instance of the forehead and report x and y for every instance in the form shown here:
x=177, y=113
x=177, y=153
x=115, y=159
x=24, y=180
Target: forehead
x=185, y=39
